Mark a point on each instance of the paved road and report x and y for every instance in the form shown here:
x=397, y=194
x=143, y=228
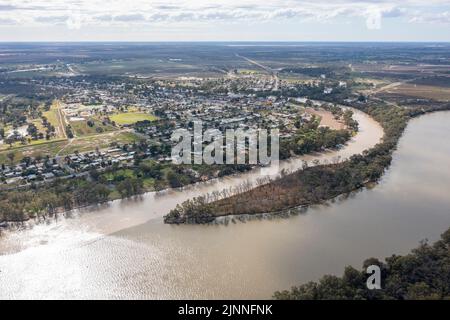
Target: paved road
x=269, y=70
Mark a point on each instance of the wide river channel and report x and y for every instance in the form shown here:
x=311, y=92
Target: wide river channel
x=123, y=249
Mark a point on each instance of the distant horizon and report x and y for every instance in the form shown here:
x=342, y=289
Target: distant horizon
x=225, y=20
x=229, y=41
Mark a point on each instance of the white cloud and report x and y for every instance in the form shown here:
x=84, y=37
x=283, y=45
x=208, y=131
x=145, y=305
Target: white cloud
x=74, y=21
x=373, y=21
x=439, y=18
x=119, y=12
x=375, y=14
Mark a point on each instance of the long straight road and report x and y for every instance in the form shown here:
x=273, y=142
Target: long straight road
x=269, y=70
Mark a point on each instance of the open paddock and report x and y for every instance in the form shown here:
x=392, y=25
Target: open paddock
x=128, y=118
x=421, y=91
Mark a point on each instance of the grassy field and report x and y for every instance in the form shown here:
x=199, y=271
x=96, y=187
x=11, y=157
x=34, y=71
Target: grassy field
x=149, y=183
x=128, y=118
x=63, y=147
x=81, y=128
x=101, y=141
x=436, y=81
x=295, y=78
x=249, y=71
x=126, y=173
x=54, y=116
x=39, y=148
x=38, y=123
x=422, y=91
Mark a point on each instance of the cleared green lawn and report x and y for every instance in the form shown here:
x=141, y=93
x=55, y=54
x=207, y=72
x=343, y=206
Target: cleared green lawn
x=82, y=129
x=90, y=143
x=128, y=118
x=53, y=147
x=126, y=173
x=38, y=148
x=54, y=117
x=51, y=117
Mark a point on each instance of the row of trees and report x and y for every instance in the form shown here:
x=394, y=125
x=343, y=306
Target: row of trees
x=319, y=183
x=422, y=274
x=307, y=140
x=21, y=205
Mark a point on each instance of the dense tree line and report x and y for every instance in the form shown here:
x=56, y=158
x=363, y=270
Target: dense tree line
x=14, y=111
x=315, y=184
x=422, y=274
x=41, y=200
x=309, y=139
x=313, y=91
x=61, y=195
x=312, y=72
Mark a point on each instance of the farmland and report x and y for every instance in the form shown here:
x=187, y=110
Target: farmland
x=422, y=91
x=95, y=122
x=55, y=118
x=64, y=147
x=93, y=127
x=100, y=141
x=127, y=118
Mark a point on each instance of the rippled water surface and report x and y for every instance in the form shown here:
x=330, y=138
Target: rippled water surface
x=125, y=251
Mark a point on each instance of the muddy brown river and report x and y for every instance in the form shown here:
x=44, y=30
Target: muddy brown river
x=123, y=249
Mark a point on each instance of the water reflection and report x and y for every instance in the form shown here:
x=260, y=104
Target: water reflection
x=75, y=259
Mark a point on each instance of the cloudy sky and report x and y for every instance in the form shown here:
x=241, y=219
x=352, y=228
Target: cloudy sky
x=225, y=20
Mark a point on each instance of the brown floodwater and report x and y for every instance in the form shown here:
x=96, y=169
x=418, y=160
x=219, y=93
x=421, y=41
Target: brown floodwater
x=123, y=250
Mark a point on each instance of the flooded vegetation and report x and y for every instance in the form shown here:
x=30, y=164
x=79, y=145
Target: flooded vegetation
x=74, y=258
x=87, y=178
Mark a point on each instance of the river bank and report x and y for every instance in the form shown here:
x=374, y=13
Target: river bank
x=160, y=203
x=310, y=185
x=46, y=199
x=33, y=215
x=124, y=251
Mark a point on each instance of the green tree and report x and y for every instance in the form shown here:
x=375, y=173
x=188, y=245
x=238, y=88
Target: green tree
x=11, y=156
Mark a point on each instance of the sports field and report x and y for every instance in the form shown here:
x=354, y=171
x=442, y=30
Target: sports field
x=128, y=118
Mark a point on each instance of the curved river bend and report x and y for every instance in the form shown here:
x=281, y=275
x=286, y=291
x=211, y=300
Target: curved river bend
x=125, y=251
